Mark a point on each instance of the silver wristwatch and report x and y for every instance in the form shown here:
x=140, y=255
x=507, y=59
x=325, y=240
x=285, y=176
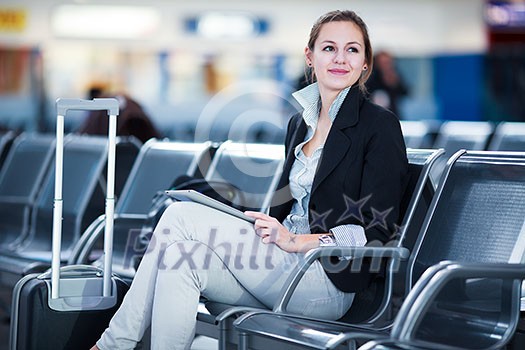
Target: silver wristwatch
x=327, y=241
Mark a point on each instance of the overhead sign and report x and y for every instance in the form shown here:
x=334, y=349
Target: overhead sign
x=12, y=20
x=226, y=25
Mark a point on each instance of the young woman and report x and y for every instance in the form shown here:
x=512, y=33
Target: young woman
x=342, y=184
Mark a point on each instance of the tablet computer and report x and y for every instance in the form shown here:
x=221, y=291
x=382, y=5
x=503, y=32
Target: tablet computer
x=194, y=196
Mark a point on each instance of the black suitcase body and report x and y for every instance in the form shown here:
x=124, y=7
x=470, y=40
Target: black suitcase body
x=69, y=307
x=35, y=325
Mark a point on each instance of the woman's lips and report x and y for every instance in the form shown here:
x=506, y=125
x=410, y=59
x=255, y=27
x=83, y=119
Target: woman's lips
x=338, y=71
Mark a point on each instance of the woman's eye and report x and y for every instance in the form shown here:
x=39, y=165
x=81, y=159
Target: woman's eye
x=353, y=50
x=328, y=48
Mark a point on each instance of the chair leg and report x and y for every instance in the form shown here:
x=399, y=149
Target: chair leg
x=352, y=345
x=243, y=341
x=223, y=335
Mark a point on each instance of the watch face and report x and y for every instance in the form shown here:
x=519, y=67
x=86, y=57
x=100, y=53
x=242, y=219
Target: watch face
x=326, y=240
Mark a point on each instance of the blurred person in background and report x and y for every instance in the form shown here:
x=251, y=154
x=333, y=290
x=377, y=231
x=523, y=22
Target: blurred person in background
x=132, y=119
x=386, y=86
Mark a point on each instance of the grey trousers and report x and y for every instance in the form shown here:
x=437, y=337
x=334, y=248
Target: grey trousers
x=196, y=250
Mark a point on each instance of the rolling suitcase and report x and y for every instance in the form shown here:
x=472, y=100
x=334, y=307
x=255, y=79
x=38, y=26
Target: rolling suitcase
x=69, y=307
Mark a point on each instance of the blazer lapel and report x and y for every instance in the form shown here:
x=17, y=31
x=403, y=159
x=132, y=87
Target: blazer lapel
x=297, y=137
x=281, y=203
x=338, y=143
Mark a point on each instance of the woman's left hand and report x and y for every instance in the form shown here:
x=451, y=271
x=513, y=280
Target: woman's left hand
x=272, y=231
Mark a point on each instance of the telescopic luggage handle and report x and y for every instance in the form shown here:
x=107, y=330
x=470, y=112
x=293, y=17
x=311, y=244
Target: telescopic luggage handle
x=63, y=105
x=97, y=104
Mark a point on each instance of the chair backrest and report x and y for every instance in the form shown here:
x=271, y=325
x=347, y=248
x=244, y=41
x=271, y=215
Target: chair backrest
x=253, y=168
x=158, y=164
x=371, y=304
x=420, y=192
x=127, y=150
x=20, y=178
x=470, y=135
x=508, y=136
x=477, y=214
x=6, y=140
x=455, y=135
x=84, y=163
x=416, y=133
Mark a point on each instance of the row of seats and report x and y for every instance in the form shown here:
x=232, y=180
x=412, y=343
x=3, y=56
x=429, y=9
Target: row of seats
x=218, y=321
x=253, y=169
x=474, y=217
x=460, y=224
x=27, y=193
x=472, y=135
x=455, y=284
x=455, y=135
x=449, y=135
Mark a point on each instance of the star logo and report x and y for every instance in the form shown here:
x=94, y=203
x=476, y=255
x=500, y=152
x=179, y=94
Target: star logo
x=319, y=220
x=379, y=218
x=354, y=208
x=398, y=231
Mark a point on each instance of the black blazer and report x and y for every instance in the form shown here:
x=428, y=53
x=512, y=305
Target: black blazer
x=361, y=178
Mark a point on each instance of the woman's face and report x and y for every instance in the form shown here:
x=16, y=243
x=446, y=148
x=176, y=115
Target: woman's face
x=338, y=56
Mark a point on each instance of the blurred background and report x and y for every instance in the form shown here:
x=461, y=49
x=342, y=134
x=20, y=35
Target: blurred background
x=204, y=67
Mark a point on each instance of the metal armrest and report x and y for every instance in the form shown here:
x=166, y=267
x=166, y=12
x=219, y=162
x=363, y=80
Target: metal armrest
x=395, y=344
x=96, y=230
x=396, y=253
x=235, y=310
x=318, y=334
x=435, y=280
x=428, y=287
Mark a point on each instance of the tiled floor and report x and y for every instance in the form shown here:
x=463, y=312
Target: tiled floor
x=204, y=343
x=200, y=343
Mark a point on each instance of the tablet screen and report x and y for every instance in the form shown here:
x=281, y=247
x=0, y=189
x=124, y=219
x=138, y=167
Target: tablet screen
x=194, y=196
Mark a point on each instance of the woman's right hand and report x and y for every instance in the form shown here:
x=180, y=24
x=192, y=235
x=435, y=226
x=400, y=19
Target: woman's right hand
x=272, y=231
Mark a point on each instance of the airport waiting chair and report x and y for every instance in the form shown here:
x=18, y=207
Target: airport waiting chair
x=455, y=135
x=372, y=304
x=84, y=173
x=469, y=135
x=488, y=325
x=158, y=164
x=476, y=217
x=253, y=168
x=84, y=162
x=20, y=179
x=127, y=149
x=417, y=133
x=508, y=136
